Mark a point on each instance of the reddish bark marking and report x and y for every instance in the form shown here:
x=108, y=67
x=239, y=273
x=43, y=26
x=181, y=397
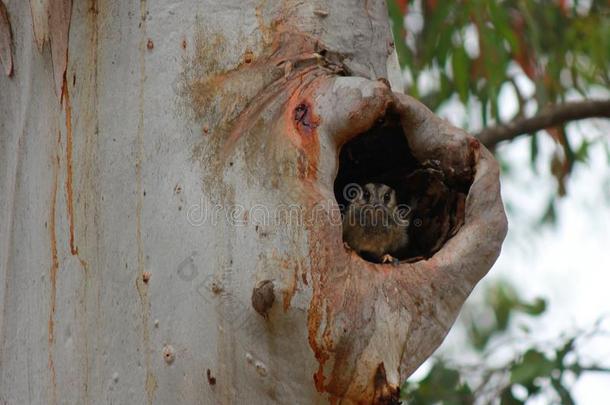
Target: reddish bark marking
x=328, y=297
x=474, y=144
x=59, y=14
x=403, y=6
x=314, y=321
x=305, y=122
x=53, y=271
x=285, y=49
x=69, y=191
x=291, y=290
x=340, y=291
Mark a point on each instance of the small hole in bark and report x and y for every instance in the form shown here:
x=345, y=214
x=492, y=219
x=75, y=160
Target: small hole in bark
x=394, y=208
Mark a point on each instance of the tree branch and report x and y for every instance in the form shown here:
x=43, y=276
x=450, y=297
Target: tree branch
x=550, y=117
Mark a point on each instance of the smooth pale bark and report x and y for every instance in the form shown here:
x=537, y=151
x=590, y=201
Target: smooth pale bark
x=168, y=225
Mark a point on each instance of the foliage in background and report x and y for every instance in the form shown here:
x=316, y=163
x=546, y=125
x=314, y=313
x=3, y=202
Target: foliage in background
x=474, y=49
x=548, y=369
x=544, y=52
x=478, y=46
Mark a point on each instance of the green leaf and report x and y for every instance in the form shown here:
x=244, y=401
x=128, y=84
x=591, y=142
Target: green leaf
x=550, y=215
x=565, y=142
x=532, y=365
x=563, y=351
x=582, y=154
x=537, y=307
x=500, y=20
x=533, y=151
x=461, y=65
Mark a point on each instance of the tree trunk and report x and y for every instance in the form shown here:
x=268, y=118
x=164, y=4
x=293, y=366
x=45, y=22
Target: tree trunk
x=169, y=230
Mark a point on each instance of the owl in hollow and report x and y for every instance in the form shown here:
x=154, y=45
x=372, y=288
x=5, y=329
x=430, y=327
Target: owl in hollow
x=374, y=225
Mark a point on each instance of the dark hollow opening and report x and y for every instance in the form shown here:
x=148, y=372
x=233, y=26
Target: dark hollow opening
x=434, y=210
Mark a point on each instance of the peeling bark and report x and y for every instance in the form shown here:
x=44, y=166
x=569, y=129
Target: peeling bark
x=51, y=23
x=6, y=41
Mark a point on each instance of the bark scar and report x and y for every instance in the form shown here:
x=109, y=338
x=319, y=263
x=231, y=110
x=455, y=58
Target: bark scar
x=385, y=394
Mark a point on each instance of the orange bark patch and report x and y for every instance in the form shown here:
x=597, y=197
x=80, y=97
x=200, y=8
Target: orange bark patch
x=306, y=122
x=292, y=287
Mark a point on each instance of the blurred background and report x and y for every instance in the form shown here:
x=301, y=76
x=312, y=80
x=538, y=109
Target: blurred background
x=531, y=79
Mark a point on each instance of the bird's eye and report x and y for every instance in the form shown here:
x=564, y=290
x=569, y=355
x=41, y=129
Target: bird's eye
x=366, y=195
x=386, y=197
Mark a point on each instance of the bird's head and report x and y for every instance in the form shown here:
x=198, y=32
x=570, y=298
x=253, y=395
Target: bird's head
x=378, y=195
x=374, y=206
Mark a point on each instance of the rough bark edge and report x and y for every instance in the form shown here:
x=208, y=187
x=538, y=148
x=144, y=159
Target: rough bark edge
x=431, y=291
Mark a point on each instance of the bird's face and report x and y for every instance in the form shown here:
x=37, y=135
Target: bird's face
x=378, y=195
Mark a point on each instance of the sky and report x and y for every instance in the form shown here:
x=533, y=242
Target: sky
x=568, y=264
